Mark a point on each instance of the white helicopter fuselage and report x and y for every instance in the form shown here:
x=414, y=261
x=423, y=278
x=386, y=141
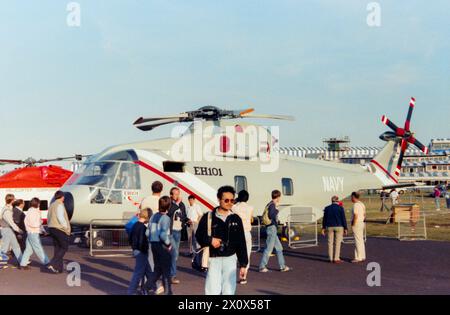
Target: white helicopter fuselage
x=113, y=183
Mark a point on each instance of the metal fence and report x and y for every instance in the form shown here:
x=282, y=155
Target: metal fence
x=413, y=229
x=108, y=238
x=302, y=230
x=256, y=235
x=350, y=239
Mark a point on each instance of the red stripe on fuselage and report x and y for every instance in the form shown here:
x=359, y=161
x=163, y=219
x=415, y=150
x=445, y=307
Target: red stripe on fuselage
x=384, y=170
x=175, y=182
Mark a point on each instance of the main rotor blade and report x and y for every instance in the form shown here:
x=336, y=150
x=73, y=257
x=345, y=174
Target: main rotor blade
x=412, y=102
x=246, y=112
x=143, y=120
x=265, y=116
x=18, y=162
x=400, y=159
x=390, y=124
x=157, y=123
x=77, y=157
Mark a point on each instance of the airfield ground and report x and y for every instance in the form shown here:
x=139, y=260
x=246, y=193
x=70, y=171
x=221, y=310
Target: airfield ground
x=420, y=267
x=437, y=222
x=407, y=267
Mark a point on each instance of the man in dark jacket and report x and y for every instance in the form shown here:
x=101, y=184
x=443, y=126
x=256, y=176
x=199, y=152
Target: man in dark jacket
x=335, y=224
x=179, y=219
x=226, y=245
x=19, y=219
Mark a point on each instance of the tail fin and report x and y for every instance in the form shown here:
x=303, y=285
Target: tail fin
x=385, y=163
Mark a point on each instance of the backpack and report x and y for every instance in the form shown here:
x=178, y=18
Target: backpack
x=129, y=226
x=265, y=217
x=201, y=258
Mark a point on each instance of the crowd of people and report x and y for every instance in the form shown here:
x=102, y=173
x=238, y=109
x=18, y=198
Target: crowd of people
x=21, y=233
x=222, y=236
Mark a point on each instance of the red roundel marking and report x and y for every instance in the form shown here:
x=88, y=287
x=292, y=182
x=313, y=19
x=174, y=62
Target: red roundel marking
x=224, y=144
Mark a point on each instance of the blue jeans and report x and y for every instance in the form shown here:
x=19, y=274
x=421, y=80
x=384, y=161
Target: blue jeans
x=272, y=242
x=437, y=201
x=9, y=240
x=141, y=269
x=34, y=245
x=221, y=277
x=175, y=240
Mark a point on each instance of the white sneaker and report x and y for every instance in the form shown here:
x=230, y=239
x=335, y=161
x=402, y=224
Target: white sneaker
x=160, y=290
x=264, y=270
x=285, y=269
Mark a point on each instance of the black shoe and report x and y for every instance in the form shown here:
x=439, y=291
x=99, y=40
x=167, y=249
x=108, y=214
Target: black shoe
x=52, y=269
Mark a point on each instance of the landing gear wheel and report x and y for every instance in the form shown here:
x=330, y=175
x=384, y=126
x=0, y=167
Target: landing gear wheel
x=98, y=243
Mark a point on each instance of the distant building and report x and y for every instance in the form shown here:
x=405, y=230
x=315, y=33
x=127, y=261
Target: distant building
x=431, y=169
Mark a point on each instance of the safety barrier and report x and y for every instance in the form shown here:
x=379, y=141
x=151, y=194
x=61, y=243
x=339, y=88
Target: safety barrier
x=302, y=230
x=108, y=238
x=256, y=235
x=413, y=229
x=350, y=239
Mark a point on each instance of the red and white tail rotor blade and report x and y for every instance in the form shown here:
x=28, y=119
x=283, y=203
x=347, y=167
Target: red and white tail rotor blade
x=412, y=103
x=391, y=125
x=400, y=159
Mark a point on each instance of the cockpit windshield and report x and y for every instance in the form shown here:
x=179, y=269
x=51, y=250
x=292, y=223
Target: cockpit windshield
x=98, y=174
x=113, y=172
x=109, y=178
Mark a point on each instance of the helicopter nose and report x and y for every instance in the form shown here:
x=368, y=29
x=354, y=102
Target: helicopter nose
x=69, y=203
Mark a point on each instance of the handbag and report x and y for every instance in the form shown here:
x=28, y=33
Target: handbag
x=200, y=261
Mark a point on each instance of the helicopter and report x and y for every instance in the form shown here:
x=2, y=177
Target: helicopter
x=32, y=180
x=218, y=149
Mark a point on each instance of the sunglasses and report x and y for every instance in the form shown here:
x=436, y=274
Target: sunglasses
x=228, y=200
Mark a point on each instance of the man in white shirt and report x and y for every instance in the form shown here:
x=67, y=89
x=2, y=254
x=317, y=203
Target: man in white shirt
x=358, y=226
x=152, y=202
x=245, y=212
x=194, y=213
x=394, y=197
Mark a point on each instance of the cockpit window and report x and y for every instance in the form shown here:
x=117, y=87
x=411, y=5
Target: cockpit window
x=129, y=155
x=128, y=177
x=99, y=174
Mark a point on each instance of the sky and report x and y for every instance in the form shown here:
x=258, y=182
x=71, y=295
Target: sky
x=67, y=90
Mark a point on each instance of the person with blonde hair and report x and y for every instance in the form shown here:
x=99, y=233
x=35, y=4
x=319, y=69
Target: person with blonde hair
x=139, y=243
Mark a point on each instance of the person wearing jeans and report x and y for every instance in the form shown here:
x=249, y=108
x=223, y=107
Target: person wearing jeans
x=160, y=240
x=33, y=225
x=9, y=239
x=139, y=243
x=272, y=240
x=222, y=232
x=177, y=213
x=437, y=198
x=194, y=213
x=334, y=224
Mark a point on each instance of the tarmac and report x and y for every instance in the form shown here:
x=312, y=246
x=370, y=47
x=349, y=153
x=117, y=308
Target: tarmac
x=407, y=267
